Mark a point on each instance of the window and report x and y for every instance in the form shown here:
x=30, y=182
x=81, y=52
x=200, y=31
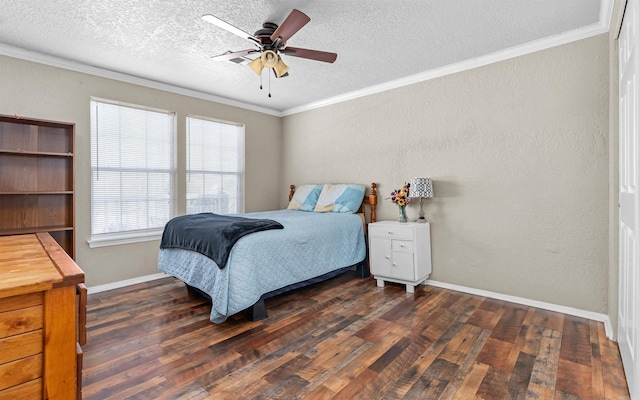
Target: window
x=132, y=172
x=214, y=166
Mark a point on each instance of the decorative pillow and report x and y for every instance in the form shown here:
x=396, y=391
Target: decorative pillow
x=305, y=198
x=340, y=198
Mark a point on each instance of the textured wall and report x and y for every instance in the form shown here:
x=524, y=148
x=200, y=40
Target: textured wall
x=518, y=152
x=38, y=91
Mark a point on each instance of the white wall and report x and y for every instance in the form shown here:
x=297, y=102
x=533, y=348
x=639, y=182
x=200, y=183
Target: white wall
x=518, y=152
x=38, y=91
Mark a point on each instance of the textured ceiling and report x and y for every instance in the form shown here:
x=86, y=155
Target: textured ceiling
x=377, y=41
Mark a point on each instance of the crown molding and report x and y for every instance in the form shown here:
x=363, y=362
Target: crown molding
x=40, y=58
x=606, y=9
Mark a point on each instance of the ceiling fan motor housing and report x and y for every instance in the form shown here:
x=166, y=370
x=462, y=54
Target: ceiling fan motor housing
x=265, y=33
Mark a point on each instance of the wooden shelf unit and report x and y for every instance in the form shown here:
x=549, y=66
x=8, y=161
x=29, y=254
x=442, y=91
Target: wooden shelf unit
x=37, y=184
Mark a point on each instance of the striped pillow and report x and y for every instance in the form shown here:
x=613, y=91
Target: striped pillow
x=342, y=198
x=305, y=198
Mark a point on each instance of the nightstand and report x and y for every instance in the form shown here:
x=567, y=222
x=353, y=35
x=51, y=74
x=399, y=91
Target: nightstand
x=400, y=252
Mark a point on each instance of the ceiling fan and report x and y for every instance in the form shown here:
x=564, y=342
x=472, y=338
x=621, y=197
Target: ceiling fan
x=270, y=42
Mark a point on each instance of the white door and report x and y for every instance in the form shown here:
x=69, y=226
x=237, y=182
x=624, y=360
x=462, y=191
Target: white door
x=629, y=270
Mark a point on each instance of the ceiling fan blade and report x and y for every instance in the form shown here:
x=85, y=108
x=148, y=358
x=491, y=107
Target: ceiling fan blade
x=212, y=19
x=230, y=55
x=292, y=24
x=310, y=54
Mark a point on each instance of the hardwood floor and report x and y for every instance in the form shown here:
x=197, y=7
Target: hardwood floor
x=343, y=339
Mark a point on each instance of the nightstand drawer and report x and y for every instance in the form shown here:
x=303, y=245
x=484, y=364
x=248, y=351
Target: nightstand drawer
x=405, y=246
x=391, y=232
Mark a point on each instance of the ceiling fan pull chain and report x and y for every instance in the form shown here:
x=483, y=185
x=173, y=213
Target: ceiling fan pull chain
x=269, y=85
x=260, y=81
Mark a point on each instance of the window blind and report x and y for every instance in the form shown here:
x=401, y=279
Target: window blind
x=132, y=168
x=214, y=166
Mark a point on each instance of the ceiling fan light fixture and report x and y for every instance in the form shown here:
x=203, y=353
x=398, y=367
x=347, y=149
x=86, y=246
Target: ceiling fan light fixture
x=280, y=68
x=256, y=65
x=269, y=59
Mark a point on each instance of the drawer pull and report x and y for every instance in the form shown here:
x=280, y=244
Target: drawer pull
x=387, y=257
x=401, y=245
x=390, y=232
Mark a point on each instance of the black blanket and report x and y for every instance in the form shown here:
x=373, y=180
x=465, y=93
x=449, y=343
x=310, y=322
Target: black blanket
x=211, y=234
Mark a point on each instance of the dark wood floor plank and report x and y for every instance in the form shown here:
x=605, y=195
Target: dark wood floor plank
x=508, y=328
x=536, y=326
x=355, y=387
x=489, y=304
x=410, y=376
x=495, y=353
x=485, y=319
x=471, y=382
x=467, y=364
x=545, y=368
x=519, y=381
x=615, y=384
x=576, y=344
x=597, y=382
x=387, y=376
x=574, y=379
x=434, y=380
x=342, y=377
x=328, y=368
x=190, y=391
x=287, y=388
x=494, y=385
x=461, y=344
x=325, y=358
x=343, y=338
x=390, y=355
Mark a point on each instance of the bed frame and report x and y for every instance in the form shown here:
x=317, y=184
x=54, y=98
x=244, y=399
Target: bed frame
x=258, y=311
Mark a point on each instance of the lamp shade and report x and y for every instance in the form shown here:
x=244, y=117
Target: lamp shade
x=256, y=66
x=269, y=59
x=280, y=68
x=421, y=187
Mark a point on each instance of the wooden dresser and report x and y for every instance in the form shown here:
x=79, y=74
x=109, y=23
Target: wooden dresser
x=42, y=319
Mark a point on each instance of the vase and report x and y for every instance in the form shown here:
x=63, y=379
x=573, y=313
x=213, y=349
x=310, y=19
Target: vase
x=403, y=214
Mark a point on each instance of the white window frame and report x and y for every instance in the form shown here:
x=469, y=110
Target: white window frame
x=118, y=238
x=241, y=154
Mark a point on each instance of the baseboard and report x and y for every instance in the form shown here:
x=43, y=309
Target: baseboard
x=126, y=282
x=498, y=296
x=532, y=303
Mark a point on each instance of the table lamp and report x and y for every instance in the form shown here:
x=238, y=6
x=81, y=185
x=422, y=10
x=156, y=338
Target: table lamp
x=423, y=189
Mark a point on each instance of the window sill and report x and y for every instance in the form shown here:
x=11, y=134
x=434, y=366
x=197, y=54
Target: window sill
x=116, y=239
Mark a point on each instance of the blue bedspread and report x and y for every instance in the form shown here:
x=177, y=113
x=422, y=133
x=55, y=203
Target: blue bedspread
x=311, y=244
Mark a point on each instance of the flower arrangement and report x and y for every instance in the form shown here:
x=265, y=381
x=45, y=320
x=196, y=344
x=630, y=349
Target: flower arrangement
x=399, y=197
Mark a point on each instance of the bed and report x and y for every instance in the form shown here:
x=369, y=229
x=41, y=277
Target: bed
x=320, y=238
